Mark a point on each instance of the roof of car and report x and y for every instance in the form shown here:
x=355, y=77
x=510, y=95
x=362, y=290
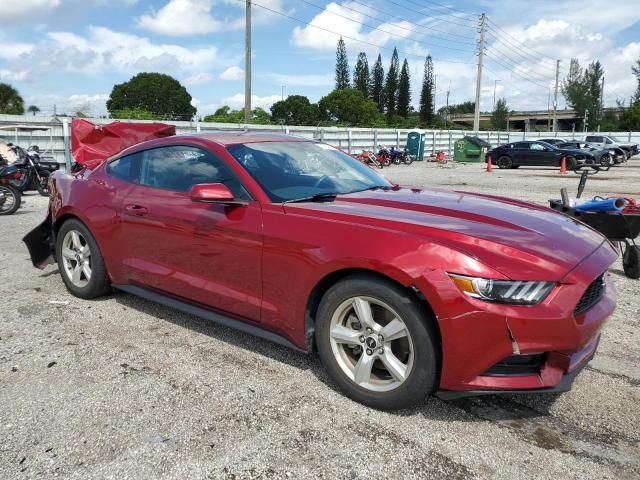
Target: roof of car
x=226, y=138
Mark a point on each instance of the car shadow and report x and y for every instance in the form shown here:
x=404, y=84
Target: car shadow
x=468, y=409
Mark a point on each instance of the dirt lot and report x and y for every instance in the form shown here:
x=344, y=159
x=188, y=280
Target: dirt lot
x=123, y=388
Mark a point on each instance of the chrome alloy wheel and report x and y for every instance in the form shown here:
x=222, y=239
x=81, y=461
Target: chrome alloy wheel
x=371, y=344
x=76, y=258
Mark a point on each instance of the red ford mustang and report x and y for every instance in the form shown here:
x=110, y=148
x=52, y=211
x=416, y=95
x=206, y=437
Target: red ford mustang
x=402, y=292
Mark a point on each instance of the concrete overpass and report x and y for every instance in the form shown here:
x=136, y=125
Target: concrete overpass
x=533, y=120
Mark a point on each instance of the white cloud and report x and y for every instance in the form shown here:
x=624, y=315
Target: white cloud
x=302, y=80
x=237, y=101
x=13, y=10
x=181, y=18
x=13, y=75
x=347, y=22
x=198, y=79
x=232, y=73
x=11, y=51
x=91, y=105
x=106, y=50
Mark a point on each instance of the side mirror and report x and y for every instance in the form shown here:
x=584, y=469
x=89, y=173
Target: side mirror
x=214, y=193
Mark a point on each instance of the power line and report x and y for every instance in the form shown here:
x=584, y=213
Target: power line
x=450, y=8
x=514, y=72
x=515, y=64
x=517, y=49
x=464, y=25
x=519, y=42
x=372, y=27
x=408, y=54
x=468, y=40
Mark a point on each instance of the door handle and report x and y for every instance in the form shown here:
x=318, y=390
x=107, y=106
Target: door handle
x=136, y=210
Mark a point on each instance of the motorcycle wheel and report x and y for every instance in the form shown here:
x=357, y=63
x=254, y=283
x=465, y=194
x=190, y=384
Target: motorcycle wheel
x=386, y=161
x=9, y=199
x=43, y=184
x=408, y=159
x=24, y=182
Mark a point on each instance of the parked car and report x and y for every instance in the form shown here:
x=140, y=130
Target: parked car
x=602, y=156
x=619, y=147
x=538, y=154
x=402, y=292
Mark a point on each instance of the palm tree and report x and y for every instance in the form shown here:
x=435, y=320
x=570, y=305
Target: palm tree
x=33, y=109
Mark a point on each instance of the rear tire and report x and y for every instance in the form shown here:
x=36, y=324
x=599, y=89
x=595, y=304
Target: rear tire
x=505, y=162
x=385, y=373
x=631, y=262
x=10, y=199
x=80, y=261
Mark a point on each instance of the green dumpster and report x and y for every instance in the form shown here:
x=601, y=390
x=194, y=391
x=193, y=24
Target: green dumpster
x=470, y=149
x=415, y=144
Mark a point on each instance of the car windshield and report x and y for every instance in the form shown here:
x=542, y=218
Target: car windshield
x=615, y=139
x=289, y=171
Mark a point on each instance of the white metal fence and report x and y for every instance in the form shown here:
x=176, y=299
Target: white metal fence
x=352, y=140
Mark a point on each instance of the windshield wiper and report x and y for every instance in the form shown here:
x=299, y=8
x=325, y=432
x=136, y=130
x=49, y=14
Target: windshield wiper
x=311, y=198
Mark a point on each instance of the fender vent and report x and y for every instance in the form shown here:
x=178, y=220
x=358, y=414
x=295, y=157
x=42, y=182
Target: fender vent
x=591, y=296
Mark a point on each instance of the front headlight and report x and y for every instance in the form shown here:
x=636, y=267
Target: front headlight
x=515, y=292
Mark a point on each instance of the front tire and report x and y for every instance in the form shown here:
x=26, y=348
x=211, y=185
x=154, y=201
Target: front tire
x=631, y=261
x=10, y=199
x=505, y=162
x=80, y=261
x=376, y=343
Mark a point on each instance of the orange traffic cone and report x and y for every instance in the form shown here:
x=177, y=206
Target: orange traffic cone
x=489, y=166
x=563, y=166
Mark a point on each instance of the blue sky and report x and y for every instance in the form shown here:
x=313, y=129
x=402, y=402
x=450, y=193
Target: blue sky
x=71, y=52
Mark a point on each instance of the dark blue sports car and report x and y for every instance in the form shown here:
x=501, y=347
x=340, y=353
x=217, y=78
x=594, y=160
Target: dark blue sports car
x=538, y=154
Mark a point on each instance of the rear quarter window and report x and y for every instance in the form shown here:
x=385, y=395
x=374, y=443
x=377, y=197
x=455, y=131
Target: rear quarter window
x=125, y=168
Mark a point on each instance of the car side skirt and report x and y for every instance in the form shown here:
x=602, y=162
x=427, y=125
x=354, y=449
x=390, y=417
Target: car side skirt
x=208, y=314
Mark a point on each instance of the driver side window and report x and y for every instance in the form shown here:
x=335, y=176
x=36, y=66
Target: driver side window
x=179, y=168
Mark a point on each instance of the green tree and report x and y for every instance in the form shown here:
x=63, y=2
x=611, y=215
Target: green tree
x=404, y=91
x=459, y=108
x=427, y=107
x=583, y=91
x=349, y=107
x=630, y=117
x=11, y=102
x=391, y=85
x=224, y=114
x=377, y=84
x=156, y=93
x=361, y=74
x=295, y=110
x=500, y=115
x=636, y=71
x=342, y=66
x=33, y=109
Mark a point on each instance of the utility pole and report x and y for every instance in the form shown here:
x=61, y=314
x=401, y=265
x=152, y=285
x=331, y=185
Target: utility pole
x=476, y=116
x=283, y=87
x=446, y=110
x=555, y=97
x=495, y=82
x=247, y=64
x=601, y=103
x=549, y=111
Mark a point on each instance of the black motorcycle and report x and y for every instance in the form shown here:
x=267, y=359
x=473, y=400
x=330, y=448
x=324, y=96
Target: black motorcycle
x=35, y=171
x=400, y=156
x=10, y=197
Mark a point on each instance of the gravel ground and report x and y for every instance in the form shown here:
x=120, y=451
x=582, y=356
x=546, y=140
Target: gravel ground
x=123, y=388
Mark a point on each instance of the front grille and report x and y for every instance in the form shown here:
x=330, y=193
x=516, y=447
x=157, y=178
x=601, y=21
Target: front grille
x=591, y=296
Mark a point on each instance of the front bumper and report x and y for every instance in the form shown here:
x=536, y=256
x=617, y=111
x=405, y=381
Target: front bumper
x=478, y=335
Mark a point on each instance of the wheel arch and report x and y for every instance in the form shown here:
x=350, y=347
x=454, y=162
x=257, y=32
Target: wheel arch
x=332, y=278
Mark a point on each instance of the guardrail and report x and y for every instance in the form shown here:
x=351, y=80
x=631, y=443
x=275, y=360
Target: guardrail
x=351, y=140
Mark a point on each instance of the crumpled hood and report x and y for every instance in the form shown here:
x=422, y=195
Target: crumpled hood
x=520, y=240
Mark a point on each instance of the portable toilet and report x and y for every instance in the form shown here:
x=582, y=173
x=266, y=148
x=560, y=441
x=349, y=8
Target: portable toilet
x=415, y=144
x=470, y=149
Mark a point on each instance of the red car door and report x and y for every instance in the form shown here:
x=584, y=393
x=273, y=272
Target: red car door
x=203, y=252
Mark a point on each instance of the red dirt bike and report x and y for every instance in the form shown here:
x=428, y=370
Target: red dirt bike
x=368, y=158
